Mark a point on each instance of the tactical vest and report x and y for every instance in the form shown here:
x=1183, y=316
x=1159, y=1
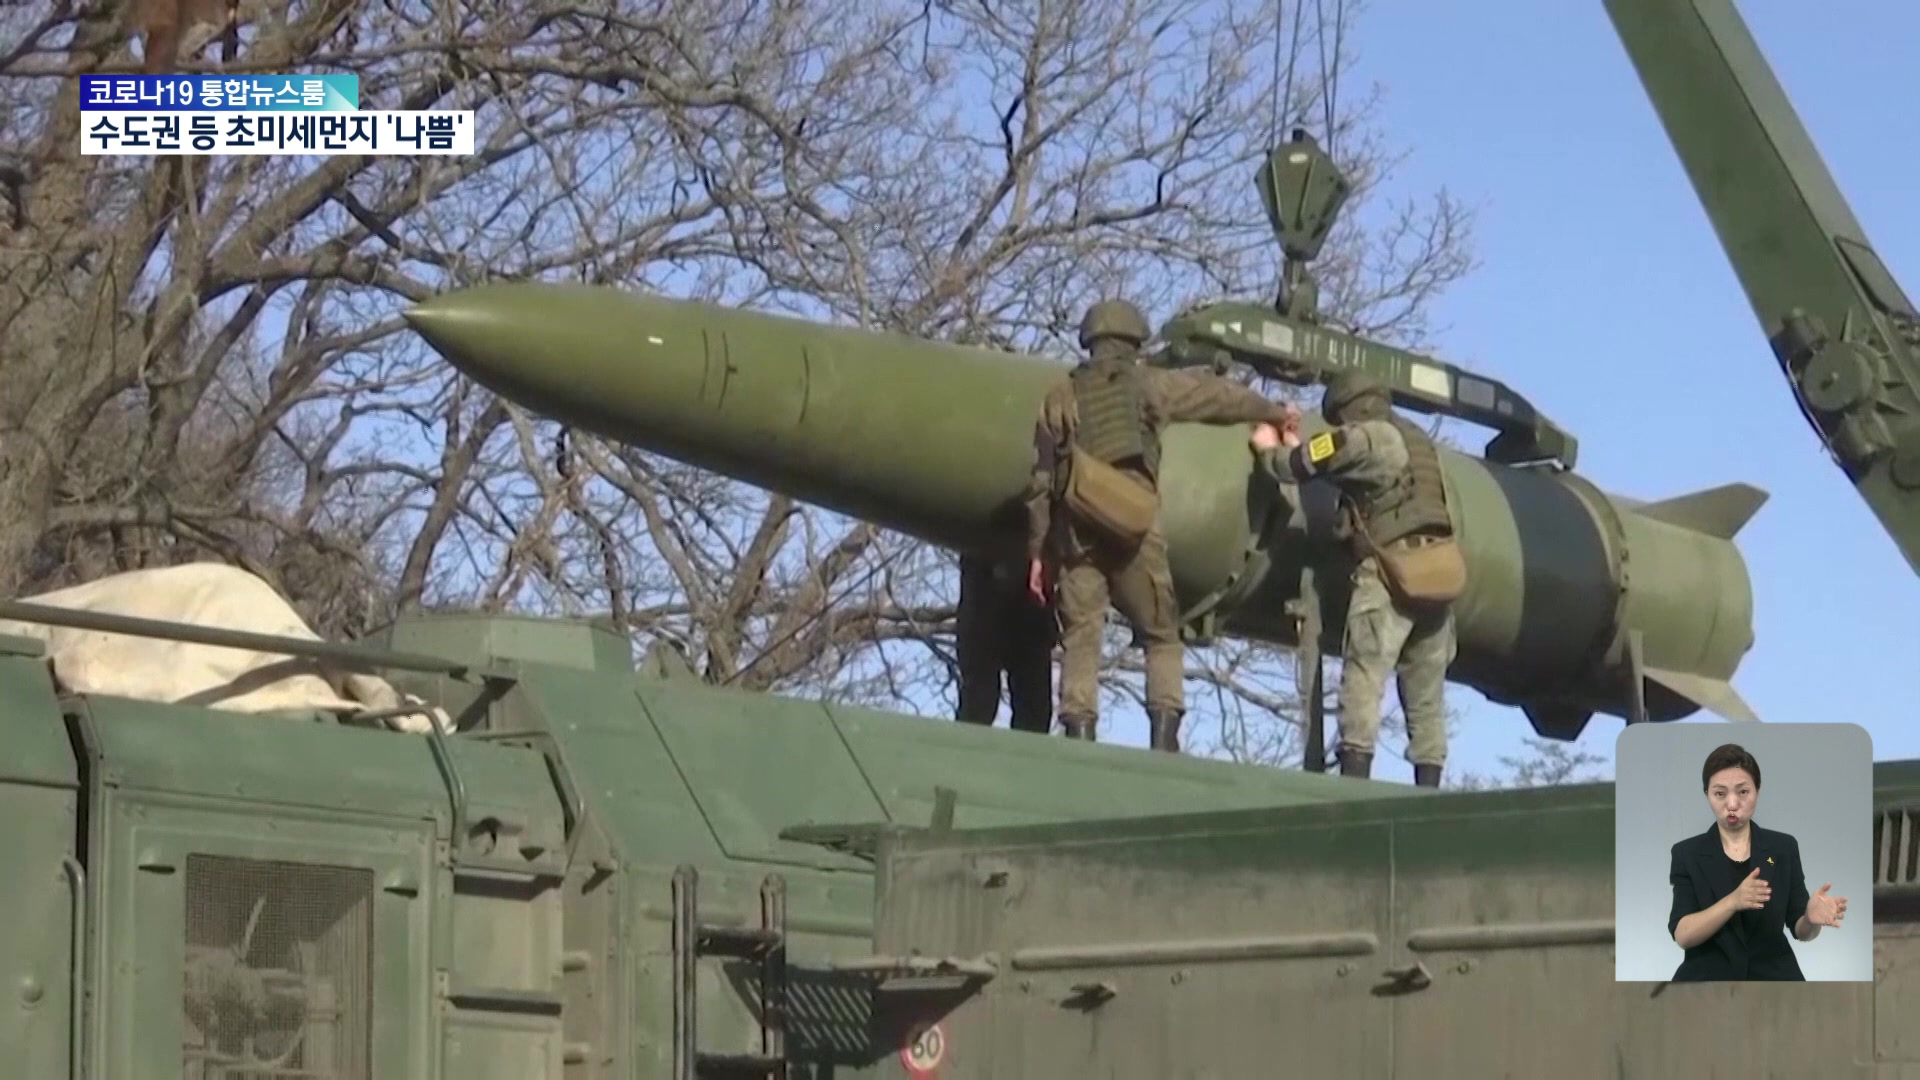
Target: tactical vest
x=1112, y=416
x=1416, y=502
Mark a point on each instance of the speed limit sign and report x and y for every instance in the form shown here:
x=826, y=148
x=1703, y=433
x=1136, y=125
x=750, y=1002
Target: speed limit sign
x=926, y=1048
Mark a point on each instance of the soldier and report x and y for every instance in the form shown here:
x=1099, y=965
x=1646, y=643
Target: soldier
x=1400, y=616
x=1097, y=458
x=1000, y=630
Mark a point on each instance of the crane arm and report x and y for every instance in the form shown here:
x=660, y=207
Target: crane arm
x=1845, y=335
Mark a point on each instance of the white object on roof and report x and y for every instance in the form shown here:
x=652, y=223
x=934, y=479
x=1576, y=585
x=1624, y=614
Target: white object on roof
x=179, y=672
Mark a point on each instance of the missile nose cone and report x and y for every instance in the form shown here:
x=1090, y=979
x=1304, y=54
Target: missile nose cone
x=628, y=367
x=456, y=327
x=426, y=316
x=520, y=341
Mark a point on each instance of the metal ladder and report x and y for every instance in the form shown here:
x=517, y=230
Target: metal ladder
x=766, y=943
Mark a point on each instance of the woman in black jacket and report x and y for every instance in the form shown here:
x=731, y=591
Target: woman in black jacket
x=1737, y=887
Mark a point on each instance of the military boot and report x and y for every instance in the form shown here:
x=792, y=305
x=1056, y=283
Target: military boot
x=1356, y=763
x=1076, y=728
x=1166, y=730
x=1426, y=775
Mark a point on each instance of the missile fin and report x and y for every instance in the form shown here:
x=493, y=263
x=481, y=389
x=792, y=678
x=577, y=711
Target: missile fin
x=1715, y=695
x=1720, y=512
x=1553, y=721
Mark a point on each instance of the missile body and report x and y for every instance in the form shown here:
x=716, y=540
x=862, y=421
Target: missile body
x=935, y=441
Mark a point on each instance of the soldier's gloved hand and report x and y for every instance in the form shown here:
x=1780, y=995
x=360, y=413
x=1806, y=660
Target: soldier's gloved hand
x=1265, y=437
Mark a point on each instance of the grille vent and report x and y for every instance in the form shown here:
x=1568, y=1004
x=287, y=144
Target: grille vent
x=279, y=971
x=1896, y=847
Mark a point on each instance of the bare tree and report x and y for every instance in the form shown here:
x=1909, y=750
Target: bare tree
x=203, y=357
x=1541, y=763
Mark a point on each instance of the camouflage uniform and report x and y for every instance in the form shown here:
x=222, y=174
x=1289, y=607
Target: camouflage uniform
x=1388, y=473
x=999, y=630
x=1115, y=408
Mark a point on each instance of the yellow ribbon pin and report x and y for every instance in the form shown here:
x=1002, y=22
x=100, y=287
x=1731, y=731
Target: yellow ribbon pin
x=1769, y=858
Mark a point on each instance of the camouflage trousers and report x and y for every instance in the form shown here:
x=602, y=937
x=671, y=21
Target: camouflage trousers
x=1141, y=587
x=1383, y=640
x=998, y=631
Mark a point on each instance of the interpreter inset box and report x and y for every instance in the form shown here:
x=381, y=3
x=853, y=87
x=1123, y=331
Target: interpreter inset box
x=1743, y=853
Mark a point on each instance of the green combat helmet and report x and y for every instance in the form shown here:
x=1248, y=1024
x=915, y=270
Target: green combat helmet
x=1349, y=388
x=1116, y=319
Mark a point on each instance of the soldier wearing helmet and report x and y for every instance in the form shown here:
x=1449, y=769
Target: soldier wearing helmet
x=1407, y=570
x=1093, y=508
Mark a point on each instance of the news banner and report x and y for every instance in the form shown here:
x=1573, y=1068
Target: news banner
x=277, y=115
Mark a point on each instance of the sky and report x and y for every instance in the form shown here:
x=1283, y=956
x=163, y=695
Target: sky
x=1603, y=295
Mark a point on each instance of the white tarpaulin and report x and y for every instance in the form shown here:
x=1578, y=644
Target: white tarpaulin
x=238, y=680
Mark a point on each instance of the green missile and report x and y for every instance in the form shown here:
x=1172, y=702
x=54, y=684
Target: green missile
x=1578, y=602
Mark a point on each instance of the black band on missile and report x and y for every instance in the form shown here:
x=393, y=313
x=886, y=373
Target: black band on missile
x=1569, y=590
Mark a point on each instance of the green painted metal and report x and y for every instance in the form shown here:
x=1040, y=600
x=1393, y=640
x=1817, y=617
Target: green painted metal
x=825, y=414
x=815, y=411
x=534, y=939
x=1464, y=936
x=1846, y=335
x=588, y=645
x=1296, y=351
x=189, y=809
x=39, y=847
x=537, y=940
x=109, y=623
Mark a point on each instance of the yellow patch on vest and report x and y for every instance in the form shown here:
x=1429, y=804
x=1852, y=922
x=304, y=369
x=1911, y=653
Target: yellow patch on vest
x=1320, y=447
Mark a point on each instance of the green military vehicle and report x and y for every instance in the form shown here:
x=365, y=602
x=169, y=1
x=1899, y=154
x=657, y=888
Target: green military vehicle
x=605, y=873
x=616, y=874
